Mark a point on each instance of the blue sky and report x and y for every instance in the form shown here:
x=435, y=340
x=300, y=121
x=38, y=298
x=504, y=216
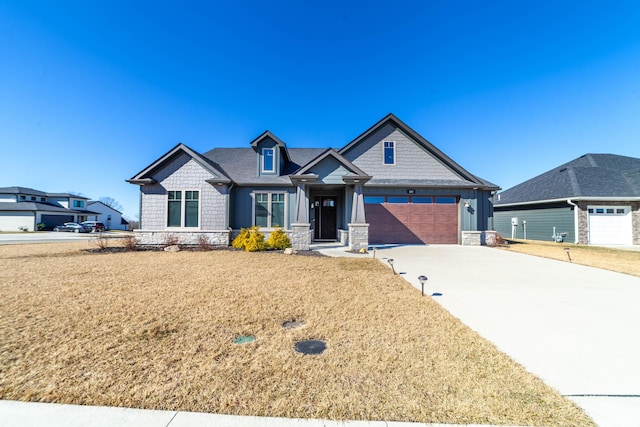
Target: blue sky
x=92, y=92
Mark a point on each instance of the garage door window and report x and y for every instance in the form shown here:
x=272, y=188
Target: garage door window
x=373, y=200
x=397, y=199
x=446, y=200
x=607, y=211
x=422, y=200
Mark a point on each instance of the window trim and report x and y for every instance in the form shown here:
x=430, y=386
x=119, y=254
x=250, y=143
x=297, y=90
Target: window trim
x=273, y=160
x=384, y=150
x=183, y=211
x=269, y=209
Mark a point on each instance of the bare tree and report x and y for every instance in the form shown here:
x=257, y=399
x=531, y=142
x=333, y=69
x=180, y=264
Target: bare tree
x=111, y=202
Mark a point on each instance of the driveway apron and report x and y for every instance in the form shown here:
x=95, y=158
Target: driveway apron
x=575, y=327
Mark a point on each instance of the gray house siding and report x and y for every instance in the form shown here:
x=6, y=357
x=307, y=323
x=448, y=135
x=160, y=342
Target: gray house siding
x=540, y=220
x=183, y=173
x=410, y=159
x=242, y=205
x=330, y=171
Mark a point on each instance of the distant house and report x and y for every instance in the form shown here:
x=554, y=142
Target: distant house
x=389, y=185
x=24, y=208
x=594, y=199
x=110, y=217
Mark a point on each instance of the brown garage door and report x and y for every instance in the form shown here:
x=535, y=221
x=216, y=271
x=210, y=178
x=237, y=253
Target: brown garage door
x=412, y=220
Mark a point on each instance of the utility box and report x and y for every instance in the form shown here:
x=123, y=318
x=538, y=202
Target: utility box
x=514, y=221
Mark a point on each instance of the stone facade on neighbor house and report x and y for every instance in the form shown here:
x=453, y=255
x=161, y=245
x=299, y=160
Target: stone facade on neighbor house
x=594, y=199
x=389, y=185
x=583, y=219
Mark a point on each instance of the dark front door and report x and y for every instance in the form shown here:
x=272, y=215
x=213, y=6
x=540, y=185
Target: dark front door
x=325, y=211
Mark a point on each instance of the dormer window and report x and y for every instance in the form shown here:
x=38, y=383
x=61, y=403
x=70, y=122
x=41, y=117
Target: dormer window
x=389, y=153
x=268, y=161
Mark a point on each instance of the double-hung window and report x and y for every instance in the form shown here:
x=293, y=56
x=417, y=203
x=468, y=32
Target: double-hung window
x=183, y=208
x=268, y=160
x=389, y=153
x=78, y=203
x=269, y=210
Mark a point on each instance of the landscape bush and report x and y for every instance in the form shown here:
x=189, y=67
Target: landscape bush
x=250, y=239
x=278, y=239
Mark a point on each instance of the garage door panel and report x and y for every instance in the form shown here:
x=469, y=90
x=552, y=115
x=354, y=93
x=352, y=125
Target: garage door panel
x=410, y=223
x=610, y=225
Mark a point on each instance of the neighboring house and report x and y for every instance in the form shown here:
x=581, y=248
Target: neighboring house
x=389, y=185
x=111, y=218
x=24, y=208
x=594, y=199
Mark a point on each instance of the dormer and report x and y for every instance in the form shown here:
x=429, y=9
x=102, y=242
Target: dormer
x=272, y=154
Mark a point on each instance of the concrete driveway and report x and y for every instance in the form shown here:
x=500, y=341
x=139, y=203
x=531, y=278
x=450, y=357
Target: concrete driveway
x=576, y=327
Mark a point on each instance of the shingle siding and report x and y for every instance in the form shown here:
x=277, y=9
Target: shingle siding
x=183, y=173
x=411, y=160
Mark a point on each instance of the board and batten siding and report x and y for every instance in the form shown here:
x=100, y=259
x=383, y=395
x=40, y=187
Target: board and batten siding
x=242, y=205
x=539, y=222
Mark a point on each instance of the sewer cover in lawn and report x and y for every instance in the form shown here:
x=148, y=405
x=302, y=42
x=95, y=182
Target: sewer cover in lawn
x=243, y=339
x=292, y=324
x=311, y=347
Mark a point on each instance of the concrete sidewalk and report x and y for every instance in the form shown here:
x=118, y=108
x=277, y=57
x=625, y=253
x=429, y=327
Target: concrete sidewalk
x=28, y=414
x=575, y=327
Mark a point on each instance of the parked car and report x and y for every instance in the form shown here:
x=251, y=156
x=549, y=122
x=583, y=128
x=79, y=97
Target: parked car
x=72, y=226
x=94, y=225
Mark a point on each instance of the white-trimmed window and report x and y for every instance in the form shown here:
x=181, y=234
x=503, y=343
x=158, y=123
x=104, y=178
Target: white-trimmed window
x=268, y=160
x=269, y=210
x=183, y=208
x=389, y=153
x=78, y=203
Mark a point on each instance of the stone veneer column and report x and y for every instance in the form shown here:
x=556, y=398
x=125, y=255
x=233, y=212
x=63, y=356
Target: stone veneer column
x=358, y=236
x=300, y=237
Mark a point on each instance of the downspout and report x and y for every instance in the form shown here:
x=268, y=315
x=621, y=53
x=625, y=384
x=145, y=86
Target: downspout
x=575, y=221
x=228, y=213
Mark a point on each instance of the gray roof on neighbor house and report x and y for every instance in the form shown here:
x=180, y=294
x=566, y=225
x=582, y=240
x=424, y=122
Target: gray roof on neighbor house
x=22, y=190
x=32, y=192
x=240, y=165
x=41, y=206
x=588, y=176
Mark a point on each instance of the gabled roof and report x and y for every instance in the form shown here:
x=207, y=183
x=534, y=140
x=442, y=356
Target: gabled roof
x=268, y=134
x=144, y=176
x=93, y=202
x=330, y=152
x=429, y=147
x=589, y=176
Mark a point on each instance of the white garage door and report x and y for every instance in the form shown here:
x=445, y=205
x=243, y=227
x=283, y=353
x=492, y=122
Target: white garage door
x=12, y=221
x=610, y=225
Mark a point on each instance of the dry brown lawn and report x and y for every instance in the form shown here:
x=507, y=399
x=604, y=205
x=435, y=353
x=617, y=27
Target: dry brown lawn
x=155, y=330
x=623, y=261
